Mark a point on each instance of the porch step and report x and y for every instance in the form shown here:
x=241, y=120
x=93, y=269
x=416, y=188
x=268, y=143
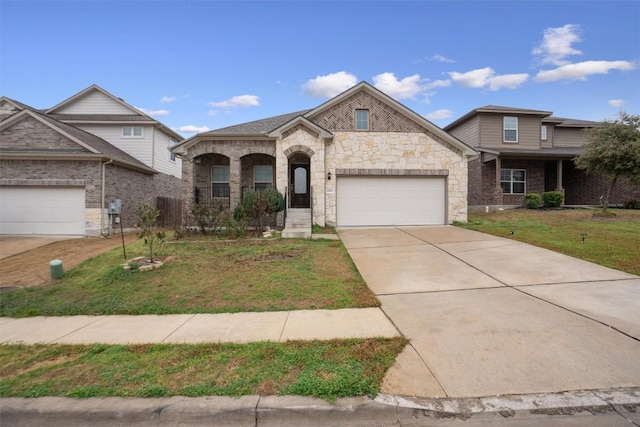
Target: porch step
x=298, y=224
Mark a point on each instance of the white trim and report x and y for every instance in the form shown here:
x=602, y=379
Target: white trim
x=543, y=132
x=133, y=136
x=511, y=181
x=505, y=129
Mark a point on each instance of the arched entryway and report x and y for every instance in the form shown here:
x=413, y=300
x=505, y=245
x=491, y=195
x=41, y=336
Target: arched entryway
x=299, y=181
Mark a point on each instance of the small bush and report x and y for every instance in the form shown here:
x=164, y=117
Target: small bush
x=552, y=199
x=532, y=200
x=259, y=205
x=631, y=204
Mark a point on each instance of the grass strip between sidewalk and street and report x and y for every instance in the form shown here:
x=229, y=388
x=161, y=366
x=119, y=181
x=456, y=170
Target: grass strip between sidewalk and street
x=611, y=241
x=203, y=276
x=324, y=369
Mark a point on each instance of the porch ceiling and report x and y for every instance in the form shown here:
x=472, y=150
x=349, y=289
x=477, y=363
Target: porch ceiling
x=542, y=153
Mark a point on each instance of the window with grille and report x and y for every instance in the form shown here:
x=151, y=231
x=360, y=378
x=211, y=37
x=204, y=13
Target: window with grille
x=513, y=181
x=510, y=129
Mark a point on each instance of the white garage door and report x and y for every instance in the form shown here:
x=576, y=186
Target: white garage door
x=42, y=210
x=374, y=200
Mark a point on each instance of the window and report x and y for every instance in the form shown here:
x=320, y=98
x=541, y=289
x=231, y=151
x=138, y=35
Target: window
x=132, y=132
x=362, y=119
x=543, y=132
x=172, y=156
x=220, y=181
x=513, y=181
x=510, y=129
x=262, y=176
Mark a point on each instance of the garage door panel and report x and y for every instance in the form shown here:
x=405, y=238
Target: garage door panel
x=42, y=210
x=363, y=201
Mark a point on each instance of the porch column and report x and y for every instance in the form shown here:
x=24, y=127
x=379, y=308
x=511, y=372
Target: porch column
x=559, y=176
x=234, y=180
x=498, y=173
x=188, y=180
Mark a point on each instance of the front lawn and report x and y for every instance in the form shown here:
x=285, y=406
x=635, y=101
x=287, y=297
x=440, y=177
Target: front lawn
x=610, y=241
x=205, y=276
x=325, y=369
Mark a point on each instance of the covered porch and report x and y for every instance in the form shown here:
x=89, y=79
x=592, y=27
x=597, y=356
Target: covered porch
x=510, y=174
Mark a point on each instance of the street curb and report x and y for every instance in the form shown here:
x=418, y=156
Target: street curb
x=384, y=410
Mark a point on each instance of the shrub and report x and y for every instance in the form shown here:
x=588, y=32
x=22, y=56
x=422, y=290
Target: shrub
x=532, y=200
x=207, y=218
x=631, y=204
x=552, y=199
x=257, y=205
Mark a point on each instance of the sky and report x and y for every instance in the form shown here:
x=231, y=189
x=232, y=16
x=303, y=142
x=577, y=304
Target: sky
x=203, y=65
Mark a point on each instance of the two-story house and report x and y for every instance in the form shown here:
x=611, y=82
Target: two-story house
x=529, y=151
x=60, y=168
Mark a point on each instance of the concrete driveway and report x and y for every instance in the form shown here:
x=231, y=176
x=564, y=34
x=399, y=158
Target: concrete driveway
x=492, y=316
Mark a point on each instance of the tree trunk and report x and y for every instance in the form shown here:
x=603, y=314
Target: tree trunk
x=605, y=203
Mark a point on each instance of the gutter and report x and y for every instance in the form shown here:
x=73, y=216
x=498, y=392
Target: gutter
x=104, y=167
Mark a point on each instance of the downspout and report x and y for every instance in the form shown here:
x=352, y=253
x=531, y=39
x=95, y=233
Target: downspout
x=104, y=167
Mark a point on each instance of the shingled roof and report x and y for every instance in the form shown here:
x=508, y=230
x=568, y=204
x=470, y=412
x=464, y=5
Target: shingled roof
x=258, y=127
x=96, y=144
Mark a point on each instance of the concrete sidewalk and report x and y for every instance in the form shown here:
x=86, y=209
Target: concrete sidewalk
x=199, y=328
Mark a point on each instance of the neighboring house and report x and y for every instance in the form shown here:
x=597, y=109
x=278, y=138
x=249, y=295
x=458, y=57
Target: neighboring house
x=359, y=159
x=56, y=178
x=529, y=151
x=98, y=112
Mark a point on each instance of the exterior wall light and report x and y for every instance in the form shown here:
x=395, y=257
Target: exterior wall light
x=329, y=176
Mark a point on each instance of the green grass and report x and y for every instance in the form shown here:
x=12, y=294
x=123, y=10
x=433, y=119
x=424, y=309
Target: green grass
x=611, y=241
x=205, y=276
x=324, y=369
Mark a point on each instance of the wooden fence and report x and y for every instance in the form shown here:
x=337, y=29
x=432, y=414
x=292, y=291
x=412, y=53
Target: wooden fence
x=170, y=212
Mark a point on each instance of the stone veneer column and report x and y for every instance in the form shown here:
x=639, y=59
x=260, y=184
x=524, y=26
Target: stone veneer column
x=235, y=181
x=187, y=181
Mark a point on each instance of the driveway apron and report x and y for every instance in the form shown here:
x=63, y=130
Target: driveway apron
x=488, y=316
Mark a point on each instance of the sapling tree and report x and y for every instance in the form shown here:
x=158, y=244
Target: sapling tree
x=147, y=219
x=613, y=150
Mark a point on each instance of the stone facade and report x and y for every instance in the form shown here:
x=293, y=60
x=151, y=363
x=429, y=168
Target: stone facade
x=395, y=152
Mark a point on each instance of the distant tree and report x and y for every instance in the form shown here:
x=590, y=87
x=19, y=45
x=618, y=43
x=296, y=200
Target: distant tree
x=613, y=150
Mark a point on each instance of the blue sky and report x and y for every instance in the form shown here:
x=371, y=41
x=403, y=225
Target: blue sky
x=198, y=65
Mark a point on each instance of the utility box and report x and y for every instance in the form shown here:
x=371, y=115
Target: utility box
x=115, y=206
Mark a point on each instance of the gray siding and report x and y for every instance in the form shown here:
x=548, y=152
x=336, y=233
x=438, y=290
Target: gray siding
x=569, y=137
x=468, y=132
x=491, y=126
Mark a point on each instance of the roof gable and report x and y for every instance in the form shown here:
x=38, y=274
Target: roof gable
x=386, y=115
x=303, y=123
x=34, y=124
x=94, y=100
x=85, y=142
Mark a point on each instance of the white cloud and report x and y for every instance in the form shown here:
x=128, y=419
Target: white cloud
x=437, y=83
x=474, y=78
x=167, y=99
x=556, y=44
x=213, y=113
x=153, y=112
x=508, y=81
x=441, y=58
x=193, y=129
x=617, y=103
x=237, y=101
x=580, y=70
x=330, y=85
x=408, y=87
x=439, y=115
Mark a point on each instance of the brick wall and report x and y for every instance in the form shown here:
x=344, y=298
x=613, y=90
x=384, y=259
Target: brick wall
x=137, y=188
x=30, y=133
x=583, y=189
x=40, y=171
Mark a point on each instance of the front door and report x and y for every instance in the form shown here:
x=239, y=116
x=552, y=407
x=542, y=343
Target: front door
x=299, y=186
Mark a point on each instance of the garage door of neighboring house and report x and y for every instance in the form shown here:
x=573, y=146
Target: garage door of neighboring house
x=397, y=200
x=42, y=210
